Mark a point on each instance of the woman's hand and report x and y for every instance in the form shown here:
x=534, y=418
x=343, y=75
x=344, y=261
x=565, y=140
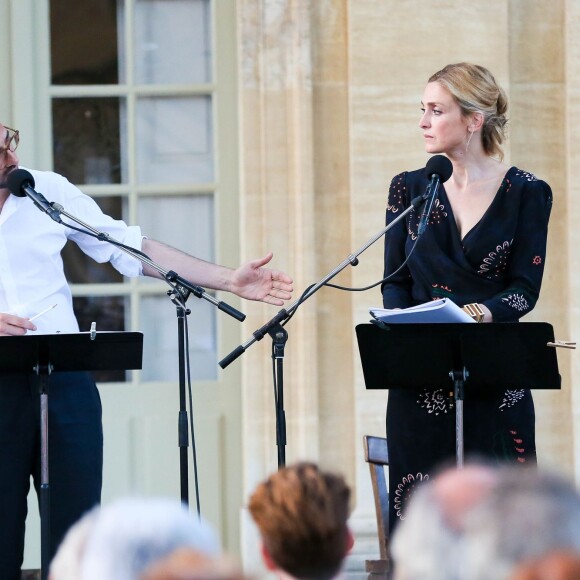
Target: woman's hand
x=487, y=315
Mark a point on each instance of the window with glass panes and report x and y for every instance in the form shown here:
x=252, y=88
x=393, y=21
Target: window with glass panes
x=132, y=104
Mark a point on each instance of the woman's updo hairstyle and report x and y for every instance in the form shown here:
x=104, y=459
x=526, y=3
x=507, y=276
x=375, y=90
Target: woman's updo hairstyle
x=476, y=91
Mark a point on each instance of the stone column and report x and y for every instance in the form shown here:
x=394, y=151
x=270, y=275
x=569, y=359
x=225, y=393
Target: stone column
x=569, y=233
x=295, y=200
x=537, y=85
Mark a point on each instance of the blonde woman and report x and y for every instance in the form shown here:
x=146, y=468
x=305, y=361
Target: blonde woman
x=484, y=246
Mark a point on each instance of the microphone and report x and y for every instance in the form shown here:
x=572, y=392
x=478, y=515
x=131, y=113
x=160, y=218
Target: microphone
x=21, y=184
x=439, y=170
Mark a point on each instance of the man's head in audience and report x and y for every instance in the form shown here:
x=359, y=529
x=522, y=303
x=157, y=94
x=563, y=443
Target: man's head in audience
x=480, y=523
x=301, y=513
x=427, y=543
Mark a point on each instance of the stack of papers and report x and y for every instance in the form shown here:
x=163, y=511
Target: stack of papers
x=442, y=310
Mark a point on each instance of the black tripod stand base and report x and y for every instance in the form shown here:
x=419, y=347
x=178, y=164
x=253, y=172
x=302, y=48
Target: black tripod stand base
x=44, y=528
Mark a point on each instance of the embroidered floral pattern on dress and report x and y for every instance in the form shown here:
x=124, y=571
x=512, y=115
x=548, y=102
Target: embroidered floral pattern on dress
x=405, y=491
x=496, y=262
x=527, y=176
x=396, y=196
x=537, y=260
x=438, y=213
x=443, y=288
x=436, y=402
x=517, y=302
x=510, y=398
x=440, y=291
x=518, y=446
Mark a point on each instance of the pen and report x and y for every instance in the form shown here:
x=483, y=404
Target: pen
x=42, y=312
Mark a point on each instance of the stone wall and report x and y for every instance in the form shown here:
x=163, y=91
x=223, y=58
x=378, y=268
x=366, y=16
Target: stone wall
x=329, y=97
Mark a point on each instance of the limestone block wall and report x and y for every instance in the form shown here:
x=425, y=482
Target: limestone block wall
x=570, y=235
x=330, y=94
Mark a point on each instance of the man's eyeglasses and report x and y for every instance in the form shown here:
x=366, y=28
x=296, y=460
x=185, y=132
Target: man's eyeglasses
x=10, y=141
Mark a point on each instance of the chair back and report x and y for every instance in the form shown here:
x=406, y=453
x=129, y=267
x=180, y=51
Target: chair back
x=377, y=456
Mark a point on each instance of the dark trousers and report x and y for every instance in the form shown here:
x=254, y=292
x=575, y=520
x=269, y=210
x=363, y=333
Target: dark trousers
x=75, y=447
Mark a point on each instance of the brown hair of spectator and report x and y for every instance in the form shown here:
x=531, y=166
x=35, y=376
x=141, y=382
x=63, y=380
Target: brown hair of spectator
x=302, y=515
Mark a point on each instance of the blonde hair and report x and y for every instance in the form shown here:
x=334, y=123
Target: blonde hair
x=476, y=91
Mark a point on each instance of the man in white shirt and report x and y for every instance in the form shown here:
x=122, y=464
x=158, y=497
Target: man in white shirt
x=32, y=279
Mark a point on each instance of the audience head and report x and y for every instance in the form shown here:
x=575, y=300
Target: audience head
x=189, y=564
x=301, y=513
x=557, y=565
x=480, y=523
x=120, y=540
x=527, y=515
x=67, y=562
x=426, y=544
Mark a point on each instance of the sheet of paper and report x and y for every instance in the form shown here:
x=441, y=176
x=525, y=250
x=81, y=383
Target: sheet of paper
x=441, y=310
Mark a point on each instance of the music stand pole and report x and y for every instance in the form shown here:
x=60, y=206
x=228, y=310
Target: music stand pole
x=183, y=430
x=459, y=378
x=43, y=372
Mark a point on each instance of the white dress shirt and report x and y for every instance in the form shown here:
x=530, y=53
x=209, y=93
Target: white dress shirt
x=31, y=268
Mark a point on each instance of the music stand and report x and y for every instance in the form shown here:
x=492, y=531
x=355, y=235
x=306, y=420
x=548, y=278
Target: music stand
x=46, y=353
x=486, y=356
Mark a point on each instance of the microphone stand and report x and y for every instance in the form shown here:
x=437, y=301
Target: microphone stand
x=275, y=328
x=179, y=293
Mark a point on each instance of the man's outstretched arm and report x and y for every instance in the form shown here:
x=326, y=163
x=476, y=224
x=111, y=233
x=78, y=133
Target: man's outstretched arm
x=251, y=280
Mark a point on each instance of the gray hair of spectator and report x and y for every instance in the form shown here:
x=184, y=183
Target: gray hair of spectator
x=526, y=515
x=424, y=545
x=66, y=564
x=126, y=536
x=523, y=515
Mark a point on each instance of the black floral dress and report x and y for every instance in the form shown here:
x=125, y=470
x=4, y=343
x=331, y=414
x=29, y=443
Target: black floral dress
x=498, y=263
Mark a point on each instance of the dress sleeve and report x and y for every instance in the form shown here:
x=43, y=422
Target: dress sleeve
x=527, y=255
x=397, y=290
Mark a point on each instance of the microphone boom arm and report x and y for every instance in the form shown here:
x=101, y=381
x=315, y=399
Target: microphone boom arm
x=285, y=313
x=178, y=283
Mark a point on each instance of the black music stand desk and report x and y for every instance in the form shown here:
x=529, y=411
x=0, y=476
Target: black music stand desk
x=46, y=353
x=438, y=355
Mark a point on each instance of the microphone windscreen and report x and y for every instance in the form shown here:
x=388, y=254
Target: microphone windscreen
x=439, y=165
x=17, y=179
